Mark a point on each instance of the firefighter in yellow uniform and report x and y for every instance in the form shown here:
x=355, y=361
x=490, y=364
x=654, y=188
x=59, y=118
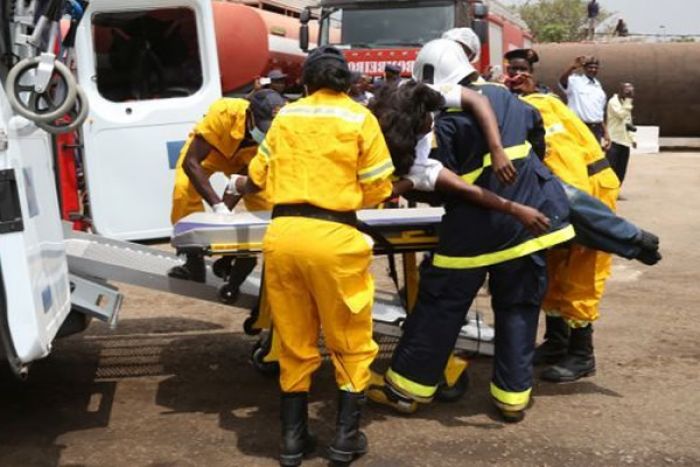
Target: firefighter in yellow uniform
x=324, y=158
x=224, y=141
x=576, y=275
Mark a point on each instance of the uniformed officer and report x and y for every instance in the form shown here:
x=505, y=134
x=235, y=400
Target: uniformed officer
x=224, y=141
x=577, y=274
x=324, y=158
x=474, y=242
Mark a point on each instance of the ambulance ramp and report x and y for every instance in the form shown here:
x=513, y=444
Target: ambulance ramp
x=144, y=266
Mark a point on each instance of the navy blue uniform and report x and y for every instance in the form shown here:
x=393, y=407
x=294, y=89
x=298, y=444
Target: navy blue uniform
x=474, y=241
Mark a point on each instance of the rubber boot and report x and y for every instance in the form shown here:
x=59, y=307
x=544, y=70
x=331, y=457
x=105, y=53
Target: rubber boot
x=579, y=361
x=194, y=269
x=296, y=438
x=556, y=342
x=349, y=442
x=381, y=392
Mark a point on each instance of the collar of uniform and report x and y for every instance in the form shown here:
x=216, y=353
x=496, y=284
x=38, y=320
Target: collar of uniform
x=328, y=93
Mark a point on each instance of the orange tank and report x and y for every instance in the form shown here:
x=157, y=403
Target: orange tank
x=251, y=42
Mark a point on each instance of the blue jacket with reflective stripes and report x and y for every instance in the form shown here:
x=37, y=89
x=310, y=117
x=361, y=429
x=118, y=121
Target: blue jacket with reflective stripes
x=468, y=230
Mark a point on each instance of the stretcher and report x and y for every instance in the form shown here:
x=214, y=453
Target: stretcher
x=405, y=232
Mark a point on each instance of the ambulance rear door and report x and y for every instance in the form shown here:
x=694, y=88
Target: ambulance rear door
x=150, y=70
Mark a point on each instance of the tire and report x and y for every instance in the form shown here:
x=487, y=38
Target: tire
x=453, y=393
x=227, y=294
x=257, y=357
x=249, y=325
x=13, y=89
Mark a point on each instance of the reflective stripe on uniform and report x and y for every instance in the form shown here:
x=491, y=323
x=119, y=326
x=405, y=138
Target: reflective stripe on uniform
x=528, y=247
x=322, y=111
x=264, y=150
x=510, y=400
x=554, y=129
x=520, y=151
x=408, y=387
x=377, y=171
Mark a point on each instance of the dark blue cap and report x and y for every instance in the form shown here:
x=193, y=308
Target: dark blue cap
x=264, y=105
x=392, y=68
x=325, y=52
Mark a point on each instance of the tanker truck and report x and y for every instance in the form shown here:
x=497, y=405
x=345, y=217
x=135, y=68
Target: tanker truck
x=374, y=33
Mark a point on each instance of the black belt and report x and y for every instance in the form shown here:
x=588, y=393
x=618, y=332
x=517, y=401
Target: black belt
x=598, y=166
x=314, y=212
x=594, y=123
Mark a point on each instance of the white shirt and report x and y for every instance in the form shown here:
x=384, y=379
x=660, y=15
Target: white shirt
x=586, y=98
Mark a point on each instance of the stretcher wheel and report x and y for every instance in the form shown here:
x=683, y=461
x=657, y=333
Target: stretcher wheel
x=222, y=267
x=453, y=393
x=56, y=101
x=257, y=358
x=249, y=325
x=228, y=294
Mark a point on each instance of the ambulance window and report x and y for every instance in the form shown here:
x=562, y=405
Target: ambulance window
x=143, y=55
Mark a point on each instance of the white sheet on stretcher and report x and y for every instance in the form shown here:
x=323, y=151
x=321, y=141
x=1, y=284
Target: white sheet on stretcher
x=203, y=229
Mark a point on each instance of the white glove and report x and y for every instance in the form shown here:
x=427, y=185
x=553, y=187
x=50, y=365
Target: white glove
x=220, y=208
x=231, y=188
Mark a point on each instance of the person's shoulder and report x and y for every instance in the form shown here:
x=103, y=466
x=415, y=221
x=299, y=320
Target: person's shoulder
x=230, y=105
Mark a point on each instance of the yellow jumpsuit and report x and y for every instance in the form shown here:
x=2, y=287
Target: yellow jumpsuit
x=577, y=275
x=327, y=151
x=223, y=127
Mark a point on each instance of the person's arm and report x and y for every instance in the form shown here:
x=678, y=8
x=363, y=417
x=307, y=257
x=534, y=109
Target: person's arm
x=436, y=177
x=481, y=108
x=375, y=167
x=479, y=105
x=564, y=78
x=198, y=151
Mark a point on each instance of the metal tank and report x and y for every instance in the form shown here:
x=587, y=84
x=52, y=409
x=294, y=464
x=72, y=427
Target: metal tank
x=666, y=78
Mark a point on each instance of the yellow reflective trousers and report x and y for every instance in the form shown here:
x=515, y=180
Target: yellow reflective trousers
x=576, y=275
x=317, y=277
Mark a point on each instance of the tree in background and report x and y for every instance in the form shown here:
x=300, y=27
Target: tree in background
x=558, y=20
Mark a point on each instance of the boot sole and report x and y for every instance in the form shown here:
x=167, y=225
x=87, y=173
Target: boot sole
x=293, y=460
x=571, y=379
x=344, y=457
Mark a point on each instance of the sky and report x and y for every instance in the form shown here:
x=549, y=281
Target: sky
x=646, y=16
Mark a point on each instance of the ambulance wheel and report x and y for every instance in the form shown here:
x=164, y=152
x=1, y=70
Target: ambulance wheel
x=228, y=294
x=249, y=325
x=257, y=358
x=453, y=393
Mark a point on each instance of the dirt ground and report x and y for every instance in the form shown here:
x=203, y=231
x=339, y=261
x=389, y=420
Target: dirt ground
x=172, y=386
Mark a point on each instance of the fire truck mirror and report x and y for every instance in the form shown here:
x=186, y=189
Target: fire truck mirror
x=304, y=37
x=304, y=19
x=481, y=28
x=481, y=11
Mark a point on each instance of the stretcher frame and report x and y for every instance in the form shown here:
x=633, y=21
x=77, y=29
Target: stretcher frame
x=404, y=231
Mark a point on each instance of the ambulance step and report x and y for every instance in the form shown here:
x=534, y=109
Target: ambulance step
x=96, y=298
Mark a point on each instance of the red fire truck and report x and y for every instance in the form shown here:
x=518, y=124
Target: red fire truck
x=377, y=32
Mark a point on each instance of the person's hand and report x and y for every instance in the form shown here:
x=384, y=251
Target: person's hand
x=578, y=63
x=634, y=145
x=503, y=167
x=220, y=208
x=606, y=143
x=533, y=220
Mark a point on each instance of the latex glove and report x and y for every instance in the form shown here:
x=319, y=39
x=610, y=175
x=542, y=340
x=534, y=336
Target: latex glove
x=220, y=208
x=231, y=187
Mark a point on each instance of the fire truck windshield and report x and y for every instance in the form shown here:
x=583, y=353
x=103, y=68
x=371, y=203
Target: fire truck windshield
x=394, y=26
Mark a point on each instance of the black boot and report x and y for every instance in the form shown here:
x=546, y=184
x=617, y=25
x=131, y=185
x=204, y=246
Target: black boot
x=579, y=361
x=556, y=342
x=296, y=438
x=194, y=269
x=349, y=442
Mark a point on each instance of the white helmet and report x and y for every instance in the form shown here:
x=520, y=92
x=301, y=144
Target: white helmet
x=468, y=38
x=445, y=60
